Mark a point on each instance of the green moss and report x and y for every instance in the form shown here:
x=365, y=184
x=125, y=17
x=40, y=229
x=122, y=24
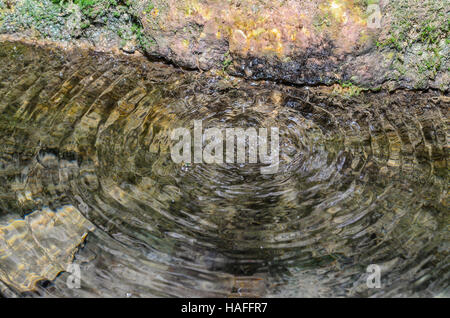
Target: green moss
x=416, y=22
x=49, y=17
x=149, y=7
x=320, y=21
x=432, y=63
x=417, y=31
x=44, y=16
x=348, y=89
x=227, y=61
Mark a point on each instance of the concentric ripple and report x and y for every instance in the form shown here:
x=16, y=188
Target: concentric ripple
x=86, y=177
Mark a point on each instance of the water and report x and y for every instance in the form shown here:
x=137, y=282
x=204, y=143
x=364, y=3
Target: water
x=86, y=178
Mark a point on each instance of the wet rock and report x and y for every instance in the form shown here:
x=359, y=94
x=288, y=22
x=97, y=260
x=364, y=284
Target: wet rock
x=73, y=21
x=393, y=43
x=40, y=246
x=304, y=42
x=129, y=47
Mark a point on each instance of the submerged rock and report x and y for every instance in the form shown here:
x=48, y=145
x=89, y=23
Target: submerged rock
x=40, y=246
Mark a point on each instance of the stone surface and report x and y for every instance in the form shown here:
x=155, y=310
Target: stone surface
x=367, y=43
x=40, y=246
x=306, y=42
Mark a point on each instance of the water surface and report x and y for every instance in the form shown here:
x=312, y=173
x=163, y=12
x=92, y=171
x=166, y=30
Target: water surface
x=86, y=177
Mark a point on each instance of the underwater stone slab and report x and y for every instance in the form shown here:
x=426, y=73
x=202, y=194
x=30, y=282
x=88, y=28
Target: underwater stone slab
x=40, y=246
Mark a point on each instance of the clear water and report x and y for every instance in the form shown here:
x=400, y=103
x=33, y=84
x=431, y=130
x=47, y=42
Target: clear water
x=86, y=177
